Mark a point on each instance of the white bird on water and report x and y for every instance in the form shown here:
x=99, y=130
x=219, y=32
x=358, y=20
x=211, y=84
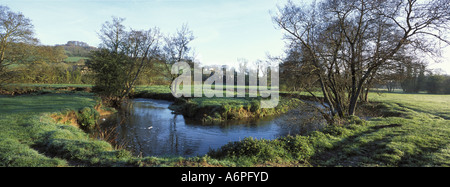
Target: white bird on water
x=151, y=127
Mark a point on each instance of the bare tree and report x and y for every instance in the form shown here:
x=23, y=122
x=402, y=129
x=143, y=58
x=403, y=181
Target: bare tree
x=112, y=34
x=14, y=28
x=143, y=48
x=348, y=42
x=123, y=56
x=177, y=49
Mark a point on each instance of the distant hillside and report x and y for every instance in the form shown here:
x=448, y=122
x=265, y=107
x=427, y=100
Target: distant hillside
x=77, y=49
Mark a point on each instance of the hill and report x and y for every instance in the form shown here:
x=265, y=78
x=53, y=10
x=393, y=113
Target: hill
x=77, y=49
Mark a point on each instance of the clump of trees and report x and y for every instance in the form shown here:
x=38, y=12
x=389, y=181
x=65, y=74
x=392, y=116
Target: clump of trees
x=432, y=83
x=343, y=46
x=32, y=63
x=126, y=55
x=437, y=84
x=23, y=60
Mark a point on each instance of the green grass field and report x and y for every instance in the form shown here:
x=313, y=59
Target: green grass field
x=75, y=59
x=419, y=136
x=414, y=132
x=437, y=105
x=50, y=85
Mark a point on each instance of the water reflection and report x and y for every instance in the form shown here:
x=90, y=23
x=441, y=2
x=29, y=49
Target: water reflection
x=148, y=128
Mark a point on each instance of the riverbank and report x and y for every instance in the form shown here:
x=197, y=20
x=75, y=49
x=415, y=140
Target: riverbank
x=31, y=137
x=411, y=130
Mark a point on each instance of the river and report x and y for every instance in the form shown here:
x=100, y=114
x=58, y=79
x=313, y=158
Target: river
x=148, y=127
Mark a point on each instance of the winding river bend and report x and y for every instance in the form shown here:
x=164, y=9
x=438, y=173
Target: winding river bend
x=148, y=127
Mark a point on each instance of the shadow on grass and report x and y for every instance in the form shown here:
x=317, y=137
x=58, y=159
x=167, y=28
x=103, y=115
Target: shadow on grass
x=356, y=150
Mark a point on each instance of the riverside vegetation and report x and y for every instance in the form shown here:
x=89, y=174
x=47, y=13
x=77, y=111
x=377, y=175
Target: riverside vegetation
x=350, y=48
x=408, y=130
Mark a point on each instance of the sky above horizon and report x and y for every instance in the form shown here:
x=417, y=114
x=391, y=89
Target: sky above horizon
x=225, y=30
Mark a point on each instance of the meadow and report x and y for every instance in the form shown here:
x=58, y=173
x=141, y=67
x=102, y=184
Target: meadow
x=410, y=130
x=74, y=59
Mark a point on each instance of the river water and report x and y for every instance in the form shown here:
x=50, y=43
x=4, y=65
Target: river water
x=148, y=127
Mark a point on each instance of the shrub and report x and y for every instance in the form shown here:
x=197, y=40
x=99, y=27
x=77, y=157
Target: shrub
x=255, y=106
x=251, y=149
x=291, y=148
x=87, y=118
x=299, y=147
x=356, y=120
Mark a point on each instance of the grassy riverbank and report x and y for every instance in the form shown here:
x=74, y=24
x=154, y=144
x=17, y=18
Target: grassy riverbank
x=221, y=109
x=412, y=130
x=29, y=136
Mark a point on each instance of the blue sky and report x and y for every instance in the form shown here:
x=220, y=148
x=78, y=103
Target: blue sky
x=225, y=30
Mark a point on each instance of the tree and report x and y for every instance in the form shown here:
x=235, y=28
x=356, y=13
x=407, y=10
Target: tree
x=112, y=34
x=14, y=28
x=49, y=54
x=295, y=71
x=122, y=57
x=110, y=77
x=446, y=85
x=412, y=75
x=349, y=42
x=176, y=49
x=143, y=49
x=435, y=84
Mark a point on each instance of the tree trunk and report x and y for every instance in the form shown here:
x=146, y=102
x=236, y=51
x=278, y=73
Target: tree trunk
x=366, y=95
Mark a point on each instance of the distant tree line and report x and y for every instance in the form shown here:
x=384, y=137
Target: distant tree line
x=430, y=83
x=33, y=63
x=24, y=60
x=412, y=76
